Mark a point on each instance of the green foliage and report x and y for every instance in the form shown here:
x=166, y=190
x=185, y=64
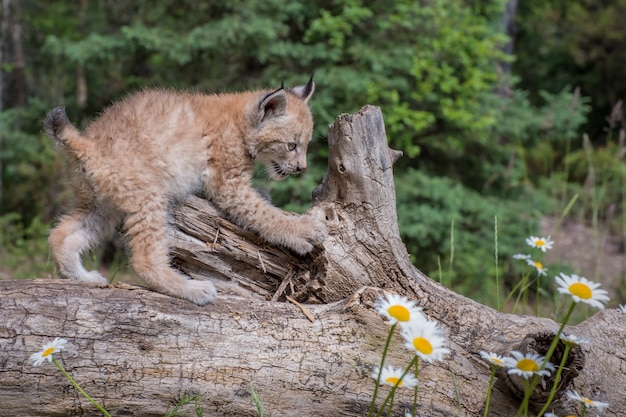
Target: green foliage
x=24, y=249
x=576, y=43
x=256, y=399
x=599, y=174
x=186, y=399
x=543, y=135
x=31, y=191
x=557, y=119
x=449, y=230
x=451, y=73
x=29, y=164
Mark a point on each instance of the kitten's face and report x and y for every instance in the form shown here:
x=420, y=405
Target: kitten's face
x=283, y=132
x=286, y=156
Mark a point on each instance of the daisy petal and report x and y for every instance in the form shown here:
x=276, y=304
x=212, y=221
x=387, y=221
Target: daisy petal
x=527, y=365
x=426, y=339
x=492, y=358
x=586, y=401
x=398, y=309
x=582, y=290
x=543, y=243
x=392, y=376
x=47, y=351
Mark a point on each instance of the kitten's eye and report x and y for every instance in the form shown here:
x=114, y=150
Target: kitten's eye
x=291, y=146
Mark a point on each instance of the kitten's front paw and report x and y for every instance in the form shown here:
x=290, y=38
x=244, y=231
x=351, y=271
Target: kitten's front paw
x=312, y=231
x=199, y=292
x=316, y=230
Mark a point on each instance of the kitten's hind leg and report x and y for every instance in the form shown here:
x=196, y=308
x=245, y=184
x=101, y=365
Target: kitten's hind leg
x=76, y=233
x=147, y=230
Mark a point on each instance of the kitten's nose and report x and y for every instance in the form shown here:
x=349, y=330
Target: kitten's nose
x=301, y=168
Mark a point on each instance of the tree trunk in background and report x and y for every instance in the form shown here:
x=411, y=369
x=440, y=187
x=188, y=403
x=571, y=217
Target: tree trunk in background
x=137, y=351
x=4, y=31
x=508, y=24
x=81, y=80
x=18, y=74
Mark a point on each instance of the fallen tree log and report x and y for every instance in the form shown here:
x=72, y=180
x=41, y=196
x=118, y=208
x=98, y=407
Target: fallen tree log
x=136, y=351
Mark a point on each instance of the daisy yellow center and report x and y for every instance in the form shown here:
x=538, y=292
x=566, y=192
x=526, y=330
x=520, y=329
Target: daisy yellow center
x=47, y=352
x=496, y=361
x=392, y=380
x=539, y=265
x=587, y=401
x=527, y=365
x=399, y=313
x=540, y=242
x=423, y=345
x=580, y=290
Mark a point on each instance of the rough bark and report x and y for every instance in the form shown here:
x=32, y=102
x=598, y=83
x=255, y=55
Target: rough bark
x=137, y=351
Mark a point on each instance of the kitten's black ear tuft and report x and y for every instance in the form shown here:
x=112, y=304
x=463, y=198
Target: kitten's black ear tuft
x=272, y=105
x=304, y=91
x=282, y=85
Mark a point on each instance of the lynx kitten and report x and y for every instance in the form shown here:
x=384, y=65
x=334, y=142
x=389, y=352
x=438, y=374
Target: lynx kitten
x=151, y=150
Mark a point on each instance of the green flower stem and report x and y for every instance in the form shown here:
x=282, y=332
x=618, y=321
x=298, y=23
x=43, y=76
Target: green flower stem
x=393, y=389
x=388, y=399
x=380, y=370
x=551, y=350
x=68, y=376
x=521, y=286
x=538, y=286
x=557, y=378
x=417, y=363
x=557, y=337
x=584, y=411
x=523, y=409
x=493, y=376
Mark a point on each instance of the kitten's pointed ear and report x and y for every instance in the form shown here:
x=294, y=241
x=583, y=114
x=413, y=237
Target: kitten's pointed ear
x=304, y=91
x=273, y=105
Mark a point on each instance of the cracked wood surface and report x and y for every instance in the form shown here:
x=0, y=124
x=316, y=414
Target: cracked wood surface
x=137, y=351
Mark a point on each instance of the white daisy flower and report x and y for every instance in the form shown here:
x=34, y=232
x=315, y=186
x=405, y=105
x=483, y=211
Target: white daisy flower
x=492, y=358
x=581, y=289
x=543, y=243
x=527, y=365
x=550, y=415
x=408, y=414
x=538, y=266
x=622, y=308
x=48, y=349
x=521, y=256
x=398, y=309
x=390, y=376
x=426, y=339
x=586, y=401
x=573, y=340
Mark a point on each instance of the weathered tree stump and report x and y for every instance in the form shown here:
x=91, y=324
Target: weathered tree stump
x=137, y=351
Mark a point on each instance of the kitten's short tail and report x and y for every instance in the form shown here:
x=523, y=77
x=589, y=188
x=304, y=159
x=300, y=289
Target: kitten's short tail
x=57, y=125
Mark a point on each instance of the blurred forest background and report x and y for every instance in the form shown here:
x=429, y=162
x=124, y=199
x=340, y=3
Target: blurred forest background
x=509, y=115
